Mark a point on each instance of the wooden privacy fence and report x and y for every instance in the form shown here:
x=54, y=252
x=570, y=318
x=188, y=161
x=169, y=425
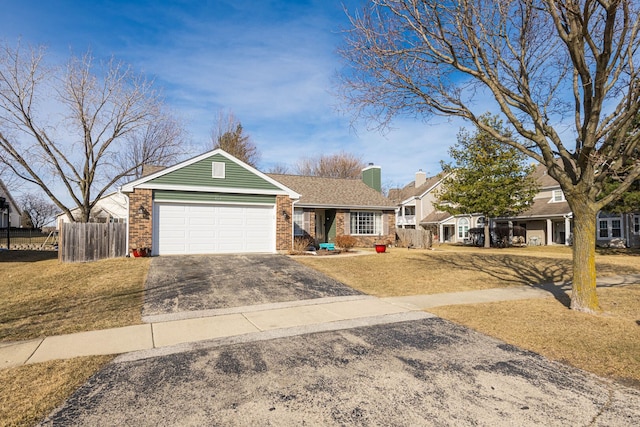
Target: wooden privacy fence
x=410, y=238
x=91, y=241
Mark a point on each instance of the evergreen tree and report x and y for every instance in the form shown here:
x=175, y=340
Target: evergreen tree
x=487, y=177
x=229, y=135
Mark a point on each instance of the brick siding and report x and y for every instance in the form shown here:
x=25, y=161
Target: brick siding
x=140, y=224
x=284, y=223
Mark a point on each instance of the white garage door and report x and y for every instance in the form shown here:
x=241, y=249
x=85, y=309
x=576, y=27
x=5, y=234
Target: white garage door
x=208, y=229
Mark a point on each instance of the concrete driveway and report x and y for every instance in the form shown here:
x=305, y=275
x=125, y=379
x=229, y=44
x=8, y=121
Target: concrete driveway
x=213, y=282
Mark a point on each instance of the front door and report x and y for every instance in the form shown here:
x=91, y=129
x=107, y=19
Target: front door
x=330, y=225
x=321, y=236
x=447, y=233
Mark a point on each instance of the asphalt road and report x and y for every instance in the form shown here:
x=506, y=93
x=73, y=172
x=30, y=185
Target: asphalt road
x=426, y=372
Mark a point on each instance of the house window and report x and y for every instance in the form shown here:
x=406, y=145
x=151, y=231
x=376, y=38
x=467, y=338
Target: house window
x=217, y=169
x=463, y=228
x=558, y=196
x=616, y=229
x=604, y=228
x=409, y=210
x=636, y=224
x=298, y=222
x=366, y=223
x=609, y=226
x=480, y=222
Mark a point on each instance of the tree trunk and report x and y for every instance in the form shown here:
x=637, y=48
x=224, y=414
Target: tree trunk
x=583, y=289
x=487, y=233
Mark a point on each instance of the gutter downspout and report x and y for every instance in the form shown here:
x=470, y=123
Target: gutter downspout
x=293, y=223
x=128, y=220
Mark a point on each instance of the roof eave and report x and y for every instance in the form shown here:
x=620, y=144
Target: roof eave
x=139, y=183
x=334, y=206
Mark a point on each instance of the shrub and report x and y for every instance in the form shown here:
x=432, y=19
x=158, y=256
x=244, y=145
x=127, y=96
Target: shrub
x=300, y=245
x=346, y=242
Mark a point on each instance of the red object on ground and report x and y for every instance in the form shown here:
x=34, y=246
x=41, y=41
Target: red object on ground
x=381, y=248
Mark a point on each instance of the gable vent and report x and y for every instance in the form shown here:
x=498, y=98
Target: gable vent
x=217, y=169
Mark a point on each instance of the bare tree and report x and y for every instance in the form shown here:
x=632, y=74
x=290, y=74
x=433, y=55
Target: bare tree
x=39, y=209
x=9, y=179
x=279, y=168
x=229, y=135
x=538, y=60
x=340, y=165
x=64, y=128
x=159, y=143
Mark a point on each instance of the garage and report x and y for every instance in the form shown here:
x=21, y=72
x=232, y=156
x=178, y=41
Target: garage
x=210, y=204
x=193, y=228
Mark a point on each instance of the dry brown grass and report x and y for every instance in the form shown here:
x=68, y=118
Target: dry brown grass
x=31, y=392
x=41, y=297
x=459, y=268
x=607, y=344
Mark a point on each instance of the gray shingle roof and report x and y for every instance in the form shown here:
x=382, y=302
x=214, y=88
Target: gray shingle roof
x=399, y=194
x=542, y=177
x=333, y=192
x=543, y=208
x=435, y=217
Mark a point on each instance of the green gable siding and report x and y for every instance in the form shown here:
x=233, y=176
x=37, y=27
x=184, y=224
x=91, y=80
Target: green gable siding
x=373, y=178
x=192, y=196
x=199, y=174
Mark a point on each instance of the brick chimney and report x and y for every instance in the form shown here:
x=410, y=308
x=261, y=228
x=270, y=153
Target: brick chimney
x=421, y=178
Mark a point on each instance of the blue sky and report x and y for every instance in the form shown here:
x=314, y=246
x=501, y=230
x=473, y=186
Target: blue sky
x=272, y=63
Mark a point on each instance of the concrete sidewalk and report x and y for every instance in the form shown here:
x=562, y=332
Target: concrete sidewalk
x=189, y=327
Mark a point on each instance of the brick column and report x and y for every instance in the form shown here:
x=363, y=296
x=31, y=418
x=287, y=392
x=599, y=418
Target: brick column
x=284, y=223
x=140, y=224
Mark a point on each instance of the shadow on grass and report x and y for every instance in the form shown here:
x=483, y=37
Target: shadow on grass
x=551, y=275
x=26, y=256
x=612, y=251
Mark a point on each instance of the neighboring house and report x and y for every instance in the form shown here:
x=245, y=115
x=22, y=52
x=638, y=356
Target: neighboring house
x=10, y=214
x=415, y=209
x=110, y=208
x=547, y=222
x=549, y=219
x=415, y=201
x=215, y=203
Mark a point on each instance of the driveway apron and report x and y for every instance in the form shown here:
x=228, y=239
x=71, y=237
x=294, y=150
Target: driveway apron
x=209, y=282
x=426, y=372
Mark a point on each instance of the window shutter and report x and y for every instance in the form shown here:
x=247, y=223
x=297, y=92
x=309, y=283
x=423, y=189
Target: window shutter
x=347, y=223
x=306, y=223
x=385, y=224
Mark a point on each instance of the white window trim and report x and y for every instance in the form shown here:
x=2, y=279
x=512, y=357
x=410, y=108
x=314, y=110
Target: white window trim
x=377, y=223
x=463, y=228
x=608, y=222
x=557, y=196
x=404, y=210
